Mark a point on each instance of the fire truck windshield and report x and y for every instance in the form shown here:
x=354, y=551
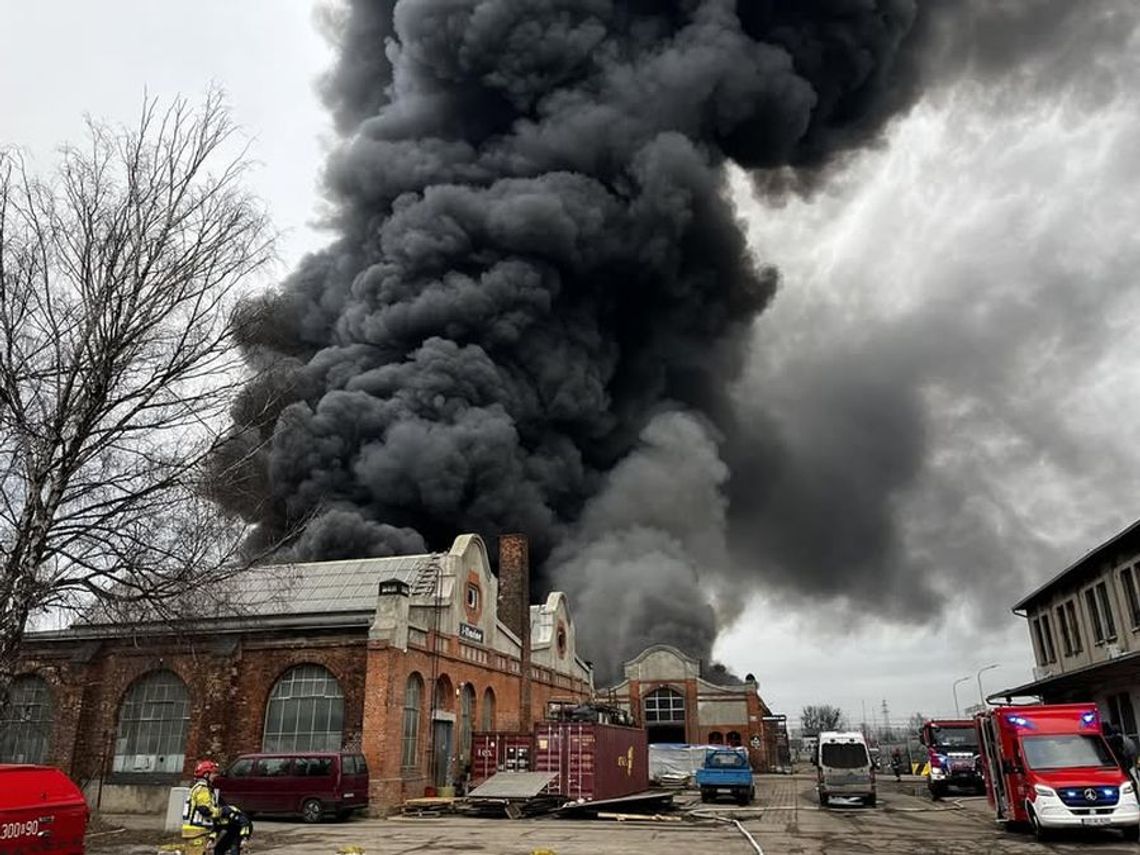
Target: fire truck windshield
x=956, y=739
x=1066, y=752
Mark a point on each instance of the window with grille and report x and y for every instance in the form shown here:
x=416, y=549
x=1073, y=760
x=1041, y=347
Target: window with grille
x=1046, y=653
x=488, y=709
x=1074, y=627
x=1128, y=579
x=152, y=726
x=413, y=695
x=25, y=729
x=1094, y=616
x=664, y=705
x=1106, y=615
x=305, y=712
x=1066, y=632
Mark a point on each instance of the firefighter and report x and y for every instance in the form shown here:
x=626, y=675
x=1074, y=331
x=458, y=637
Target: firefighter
x=1123, y=747
x=206, y=818
x=897, y=764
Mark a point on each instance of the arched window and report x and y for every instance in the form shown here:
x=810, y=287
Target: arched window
x=488, y=709
x=716, y=738
x=413, y=698
x=734, y=739
x=663, y=706
x=152, y=725
x=305, y=711
x=444, y=694
x=466, y=716
x=25, y=729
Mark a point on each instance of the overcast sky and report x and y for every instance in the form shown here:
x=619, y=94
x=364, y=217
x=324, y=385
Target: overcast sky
x=978, y=266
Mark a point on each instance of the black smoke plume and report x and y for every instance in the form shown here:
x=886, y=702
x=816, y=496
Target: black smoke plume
x=539, y=292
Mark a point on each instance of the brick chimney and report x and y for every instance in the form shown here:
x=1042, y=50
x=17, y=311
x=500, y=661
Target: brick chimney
x=514, y=608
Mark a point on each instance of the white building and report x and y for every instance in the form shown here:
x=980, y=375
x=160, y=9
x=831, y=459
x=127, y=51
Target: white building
x=1084, y=625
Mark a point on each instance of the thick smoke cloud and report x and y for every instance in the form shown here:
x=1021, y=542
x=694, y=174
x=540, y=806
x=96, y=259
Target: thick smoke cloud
x=540, y=282
x=537, y=254
x=931, y=398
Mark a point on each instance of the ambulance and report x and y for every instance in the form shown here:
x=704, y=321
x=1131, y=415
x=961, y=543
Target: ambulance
x=1049, y=767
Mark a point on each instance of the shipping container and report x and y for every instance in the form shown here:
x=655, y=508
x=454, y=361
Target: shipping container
x=592, y=761
x=42, y=812
x=493, y=752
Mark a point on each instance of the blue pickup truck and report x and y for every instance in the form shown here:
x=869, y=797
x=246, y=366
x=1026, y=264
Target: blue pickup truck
x=726, y=771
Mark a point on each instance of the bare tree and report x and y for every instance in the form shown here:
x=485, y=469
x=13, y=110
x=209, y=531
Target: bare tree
x=817, y=718
x=118, y=274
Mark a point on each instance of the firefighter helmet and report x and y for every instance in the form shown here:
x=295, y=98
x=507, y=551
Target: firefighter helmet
x=204, y=768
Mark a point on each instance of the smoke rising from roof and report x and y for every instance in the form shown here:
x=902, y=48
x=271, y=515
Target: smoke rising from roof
x=540, y=293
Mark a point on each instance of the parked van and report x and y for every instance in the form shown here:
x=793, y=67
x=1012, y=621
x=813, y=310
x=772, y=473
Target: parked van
x=843, y=768
x=310, y=783
x=1048, y=766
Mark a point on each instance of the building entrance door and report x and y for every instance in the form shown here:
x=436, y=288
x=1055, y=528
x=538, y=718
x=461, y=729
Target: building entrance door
x=441, y=752
x=665, y=732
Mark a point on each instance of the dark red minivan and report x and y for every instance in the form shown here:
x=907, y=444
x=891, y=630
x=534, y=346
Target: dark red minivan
x=42, y=812
x=310, y=783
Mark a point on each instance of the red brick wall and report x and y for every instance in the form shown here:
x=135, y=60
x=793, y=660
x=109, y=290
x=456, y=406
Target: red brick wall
x=697, y=733
x=387, y=673
x=229, y=687
x=228, y=691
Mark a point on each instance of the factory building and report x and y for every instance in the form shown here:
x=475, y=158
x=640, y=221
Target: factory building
x=665, y=691
x=1084, y=631
x=399, y=658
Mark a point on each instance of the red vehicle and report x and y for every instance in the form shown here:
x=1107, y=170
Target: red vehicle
x=42, y=812
x=309, y=783
x=1048, y=766
x=953, y=755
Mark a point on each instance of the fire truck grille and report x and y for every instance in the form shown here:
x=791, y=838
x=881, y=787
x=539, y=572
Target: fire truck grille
x=1089, y=797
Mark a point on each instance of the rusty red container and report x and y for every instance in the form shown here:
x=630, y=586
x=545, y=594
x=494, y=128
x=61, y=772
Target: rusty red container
x=499, y=752
x=592, y=762
x=42, y=812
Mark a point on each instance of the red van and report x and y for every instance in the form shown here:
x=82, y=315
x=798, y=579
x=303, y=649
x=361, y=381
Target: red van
x=42, y=812
x=1049, y=767
x=310, y=783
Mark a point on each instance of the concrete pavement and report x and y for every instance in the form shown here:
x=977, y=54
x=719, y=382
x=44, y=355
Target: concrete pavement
x=786, y=818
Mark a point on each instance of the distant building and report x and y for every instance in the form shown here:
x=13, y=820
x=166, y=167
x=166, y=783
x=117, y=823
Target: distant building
x=399, y=658
x=666, y=691
x=1084, y=626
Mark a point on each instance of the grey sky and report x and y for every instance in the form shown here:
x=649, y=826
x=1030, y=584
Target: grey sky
x=977, y=269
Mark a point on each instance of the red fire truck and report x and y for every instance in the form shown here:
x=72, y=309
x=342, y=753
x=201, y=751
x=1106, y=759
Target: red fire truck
x=1048, y=766
x=952, y=753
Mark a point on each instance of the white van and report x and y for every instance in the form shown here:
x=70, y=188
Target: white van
x=843, y=768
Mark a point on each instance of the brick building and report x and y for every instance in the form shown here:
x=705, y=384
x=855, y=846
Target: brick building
x=665, y=691
x=401, y=658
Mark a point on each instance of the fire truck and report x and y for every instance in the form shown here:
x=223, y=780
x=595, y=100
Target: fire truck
x=952, y=755
x=1049, y=767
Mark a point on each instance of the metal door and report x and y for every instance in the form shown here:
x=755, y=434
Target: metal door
x=441, y=753
x=995, y=766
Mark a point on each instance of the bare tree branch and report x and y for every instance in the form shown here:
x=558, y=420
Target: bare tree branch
x=118, y=278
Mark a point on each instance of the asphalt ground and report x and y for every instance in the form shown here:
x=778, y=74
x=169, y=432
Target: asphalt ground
x=786, y=818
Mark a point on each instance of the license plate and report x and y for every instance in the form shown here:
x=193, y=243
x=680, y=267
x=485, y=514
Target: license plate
x=1095, y=820
x=349, y=795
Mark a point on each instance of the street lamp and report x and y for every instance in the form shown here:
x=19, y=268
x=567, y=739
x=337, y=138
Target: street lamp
x=954, y=689
x=981, y=694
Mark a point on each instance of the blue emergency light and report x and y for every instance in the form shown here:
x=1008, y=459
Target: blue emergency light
x=1089, y=719
x=1020, y=721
